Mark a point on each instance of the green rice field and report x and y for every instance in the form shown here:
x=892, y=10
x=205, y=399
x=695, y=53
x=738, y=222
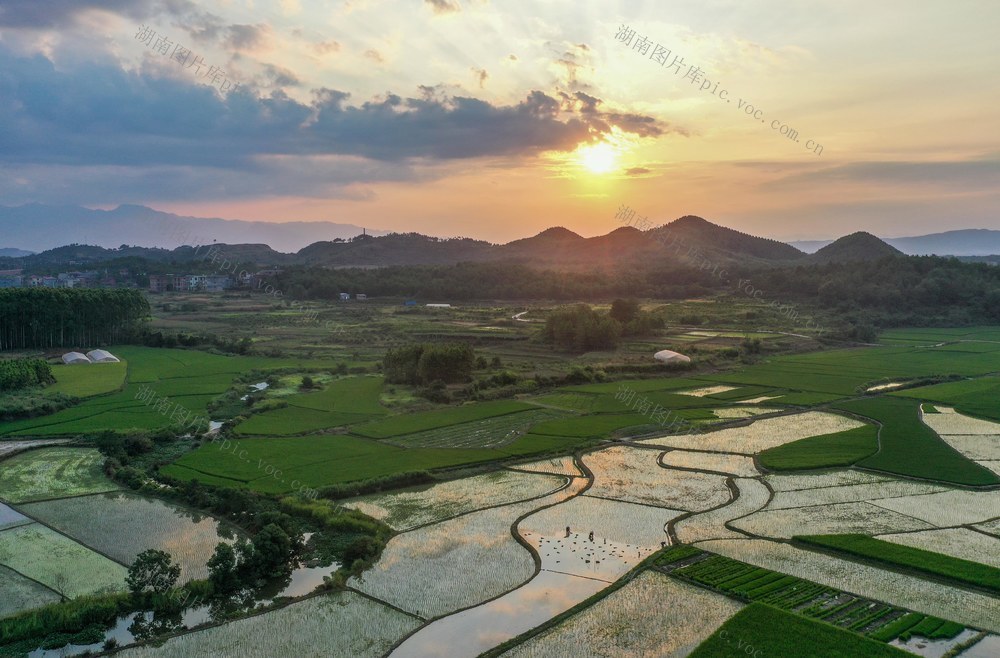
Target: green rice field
x=773, y=632
x=53, y=473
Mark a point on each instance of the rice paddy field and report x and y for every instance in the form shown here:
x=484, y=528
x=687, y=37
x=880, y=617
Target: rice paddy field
x=712, y=524
x=343, y=401
x=836, y=478
x=945, y=567
x=316, y=461
x=948, y=508
x=761, y=434
x=909, y=447
x=88, y=380
x=633, y=475
x=53, y=473
x=487, y=433
x=8, y=448
x=21, y=594
x=556, y=465
x=419, y=422
x=502, y=544
x=653, y=616
x=619, y=522
x=122, y=525
x=962, y=543
x=341, y=623
x=740, y=465
x=765, y=631
x=408, y=509
x=828, y=519
x=10, y=517
x=58, y=562
x=439, y=568
x=187, y=377
x=973, y=609
x=851, y=493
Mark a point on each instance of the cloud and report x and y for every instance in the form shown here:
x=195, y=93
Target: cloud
x=91, y=114
x=316, y=177
x=982, y=171
x=602, y=122
x=247, y=37
x=327, y=47
x=279, y=77
x=637, y=171
x=574, y=60
x=374, y=55
x=58, y=13
x=481, y=76
x=443, y=6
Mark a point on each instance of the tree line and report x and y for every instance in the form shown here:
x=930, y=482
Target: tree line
x=66, y=317
x=891, y=291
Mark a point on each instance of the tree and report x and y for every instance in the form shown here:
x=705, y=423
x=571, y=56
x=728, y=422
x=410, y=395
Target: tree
x=624, y=310
x=272, y=551
x=152, y=571
x=426, y=363
x=580, y=328
x=308, y=383
x=222, y=568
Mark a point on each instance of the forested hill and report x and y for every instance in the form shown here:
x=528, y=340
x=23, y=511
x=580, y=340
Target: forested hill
x=720, y=241
x=854, y=247
x=392, y=249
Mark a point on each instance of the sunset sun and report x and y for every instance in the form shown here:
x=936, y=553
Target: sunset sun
x=598, y=158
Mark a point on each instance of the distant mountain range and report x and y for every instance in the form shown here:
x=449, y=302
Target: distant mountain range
x=13, y=253
x=962, y=242
x=39, y=227
x=685, y=242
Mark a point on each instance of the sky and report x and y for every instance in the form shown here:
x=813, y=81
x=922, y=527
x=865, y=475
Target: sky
x=496, y=119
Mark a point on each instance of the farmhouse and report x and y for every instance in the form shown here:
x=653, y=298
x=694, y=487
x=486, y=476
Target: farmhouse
x=669, y=356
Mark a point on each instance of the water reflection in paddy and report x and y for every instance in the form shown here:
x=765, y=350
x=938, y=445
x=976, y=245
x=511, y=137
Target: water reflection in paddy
x=473, y=631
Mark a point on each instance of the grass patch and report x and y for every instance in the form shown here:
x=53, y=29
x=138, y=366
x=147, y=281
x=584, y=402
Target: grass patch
x=911, y=448
x=773, y=632
x=928, y=562
x=839, y=449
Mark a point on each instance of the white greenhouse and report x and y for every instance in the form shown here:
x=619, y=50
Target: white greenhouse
x=669, y=356
x=74, y=357
x=102, y=356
